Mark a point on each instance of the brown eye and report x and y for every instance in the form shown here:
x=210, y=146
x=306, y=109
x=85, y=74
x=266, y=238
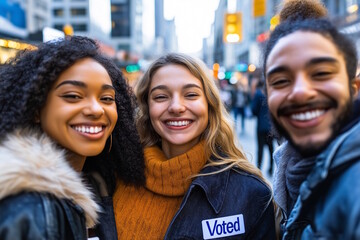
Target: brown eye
x=108, y=99
x=322, y=74
x=160, y=97
x=191, y=95
x=280, y=82
x=71, y=96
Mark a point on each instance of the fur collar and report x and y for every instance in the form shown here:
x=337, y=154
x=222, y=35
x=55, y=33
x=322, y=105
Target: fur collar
x=30, y=161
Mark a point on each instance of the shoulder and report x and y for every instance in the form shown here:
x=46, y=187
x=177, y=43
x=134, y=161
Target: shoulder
x=23, y=215
x=345, y=183
x=31, y=162
x=38, y=215
x=37, y=205
x=244, y=177
x=250, y=183
x=253, y=198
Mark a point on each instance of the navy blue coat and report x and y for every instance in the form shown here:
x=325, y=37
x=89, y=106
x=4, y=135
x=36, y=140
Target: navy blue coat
x=260, y=109
x=231, y=204
x=328, y=206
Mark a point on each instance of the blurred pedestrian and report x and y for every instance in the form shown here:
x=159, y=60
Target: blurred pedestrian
x=239, y=104
x=199, y=185
x=226, y=94
x=310, y=70
x=62, y=104
x=260, y=109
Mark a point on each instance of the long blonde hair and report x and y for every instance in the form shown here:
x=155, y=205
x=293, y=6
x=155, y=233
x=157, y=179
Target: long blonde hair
x=219, y=137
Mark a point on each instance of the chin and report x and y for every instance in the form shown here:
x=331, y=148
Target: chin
x=310, y=149
x=92, y=152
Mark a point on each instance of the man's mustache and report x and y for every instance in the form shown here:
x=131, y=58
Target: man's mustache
x=295, y=108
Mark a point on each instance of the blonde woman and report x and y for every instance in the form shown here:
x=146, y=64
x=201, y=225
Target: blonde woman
x=199, y=184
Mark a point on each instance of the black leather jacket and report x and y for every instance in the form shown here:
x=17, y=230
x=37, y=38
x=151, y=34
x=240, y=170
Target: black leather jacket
x=31, y=215
x=41, y=196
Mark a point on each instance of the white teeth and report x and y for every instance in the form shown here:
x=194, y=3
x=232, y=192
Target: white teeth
x=178, y=123
x=86, y=129
x=306, y=116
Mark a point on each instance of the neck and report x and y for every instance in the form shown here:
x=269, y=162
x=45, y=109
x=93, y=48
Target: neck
x=76, y=161
x=170, y=150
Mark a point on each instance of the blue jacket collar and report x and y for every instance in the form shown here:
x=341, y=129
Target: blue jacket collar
x=215, y=186
x=342, y=151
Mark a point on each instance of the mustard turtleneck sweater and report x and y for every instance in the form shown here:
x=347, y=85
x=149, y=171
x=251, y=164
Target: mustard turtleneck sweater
x=146, y=212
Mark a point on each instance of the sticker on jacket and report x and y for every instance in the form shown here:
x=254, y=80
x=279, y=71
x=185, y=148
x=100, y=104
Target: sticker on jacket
x=223, y=227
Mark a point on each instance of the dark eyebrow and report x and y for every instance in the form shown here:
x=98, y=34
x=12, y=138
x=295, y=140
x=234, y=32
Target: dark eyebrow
x=191, y=85
x=72, y=82
x=83, y=85
x=107, y=86
x=322, y=60
x=308, y=64
x=164, y=87
x=277, y=70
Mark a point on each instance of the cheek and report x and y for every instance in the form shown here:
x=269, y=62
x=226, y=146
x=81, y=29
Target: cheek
x=339, y=91
x=113, y=115
x=202, y=107
x=155, y=110
x=273, y=102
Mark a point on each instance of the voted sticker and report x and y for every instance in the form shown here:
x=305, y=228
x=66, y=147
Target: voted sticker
x=223, y=227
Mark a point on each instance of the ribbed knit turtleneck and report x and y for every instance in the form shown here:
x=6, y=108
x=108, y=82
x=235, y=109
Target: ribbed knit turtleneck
x=146, y=212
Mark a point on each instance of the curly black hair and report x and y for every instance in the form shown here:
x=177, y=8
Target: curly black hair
x=26, y=80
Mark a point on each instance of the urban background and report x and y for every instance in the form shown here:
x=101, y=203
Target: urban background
x=134, y=32
x=232, y=48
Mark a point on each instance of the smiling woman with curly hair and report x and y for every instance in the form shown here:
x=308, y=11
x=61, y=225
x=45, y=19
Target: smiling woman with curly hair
x=65, y=108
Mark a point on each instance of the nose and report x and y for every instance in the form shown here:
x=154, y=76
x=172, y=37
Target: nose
x=303, y=89
x=176, y=105
x=93, y=109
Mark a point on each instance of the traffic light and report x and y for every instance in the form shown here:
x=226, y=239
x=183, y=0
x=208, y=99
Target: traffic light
x=259, y=8
x=216, y=68
x=232, y=27
x=68, y=30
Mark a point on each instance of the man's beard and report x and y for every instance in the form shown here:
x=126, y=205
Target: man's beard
x=311, y=149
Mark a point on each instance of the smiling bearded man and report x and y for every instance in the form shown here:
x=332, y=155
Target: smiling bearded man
x=310, y=84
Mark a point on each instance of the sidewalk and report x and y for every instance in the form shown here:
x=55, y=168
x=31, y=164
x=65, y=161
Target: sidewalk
x=248, y=143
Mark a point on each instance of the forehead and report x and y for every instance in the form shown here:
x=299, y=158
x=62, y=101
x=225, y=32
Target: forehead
x=300, y=47
x=86, y=69
x=174, y=75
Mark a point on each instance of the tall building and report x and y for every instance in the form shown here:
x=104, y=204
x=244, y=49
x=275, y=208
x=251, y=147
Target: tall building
x=219, y=45
x=18, y=18
x=165, y=31
x=126, y=25
x=86, y=17
x=345, y=15
x=37, y=14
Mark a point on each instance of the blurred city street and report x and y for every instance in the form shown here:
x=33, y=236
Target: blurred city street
x=247, y=140
x=227, y=35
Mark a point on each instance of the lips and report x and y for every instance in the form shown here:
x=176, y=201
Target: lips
x=308, y=115
x=181, y=123
x=88, y=129
x=306, y=111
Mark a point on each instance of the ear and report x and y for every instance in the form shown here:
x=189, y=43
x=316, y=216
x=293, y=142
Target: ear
x=355, y=86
